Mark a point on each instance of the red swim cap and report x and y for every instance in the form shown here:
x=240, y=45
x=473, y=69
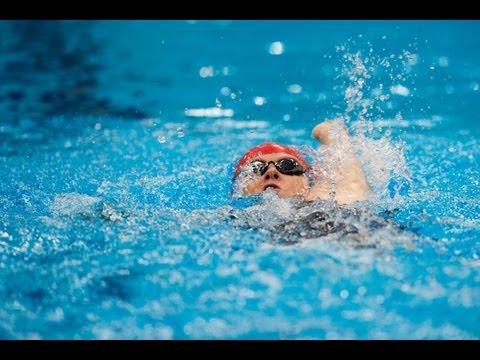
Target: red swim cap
x=265, y=149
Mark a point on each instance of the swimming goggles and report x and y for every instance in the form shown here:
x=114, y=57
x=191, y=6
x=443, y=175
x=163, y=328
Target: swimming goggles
x=285, y=166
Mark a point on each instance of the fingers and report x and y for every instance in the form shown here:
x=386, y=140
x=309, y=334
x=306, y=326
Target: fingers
x=321, y=132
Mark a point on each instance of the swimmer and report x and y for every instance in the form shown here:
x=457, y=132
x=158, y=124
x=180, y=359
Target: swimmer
x=282, y=169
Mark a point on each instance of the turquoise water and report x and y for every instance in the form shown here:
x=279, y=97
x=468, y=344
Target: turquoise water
x=118, y=141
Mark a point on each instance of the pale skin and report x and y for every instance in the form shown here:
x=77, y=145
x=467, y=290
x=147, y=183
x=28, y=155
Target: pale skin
x=284, y=185
x=344, y=181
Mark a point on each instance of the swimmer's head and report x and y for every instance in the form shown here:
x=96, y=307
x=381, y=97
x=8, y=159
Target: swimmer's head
x=272, y=166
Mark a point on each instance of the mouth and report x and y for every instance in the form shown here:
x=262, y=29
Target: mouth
x=275, y=187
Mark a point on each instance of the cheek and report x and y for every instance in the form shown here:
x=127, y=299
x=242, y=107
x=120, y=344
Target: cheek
x=252, y=187
x=297, y=184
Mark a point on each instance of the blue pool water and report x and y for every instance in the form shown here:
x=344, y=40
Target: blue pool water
x=118, y=141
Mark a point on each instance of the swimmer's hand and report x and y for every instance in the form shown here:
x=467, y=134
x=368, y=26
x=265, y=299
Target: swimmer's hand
x=323, y=131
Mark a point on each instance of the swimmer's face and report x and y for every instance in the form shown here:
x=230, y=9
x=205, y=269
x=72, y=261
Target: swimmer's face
x=285, y=185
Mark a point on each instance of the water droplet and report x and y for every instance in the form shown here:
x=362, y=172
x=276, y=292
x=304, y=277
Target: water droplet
x=276, y=48
x=226, y=71
x=443, y=61
x=180, y=132
x=225, y=91
x=206, y=71
x=294, y=89
x=344, y=294
x=259, y=100
x=321, y=97
x=362, y=290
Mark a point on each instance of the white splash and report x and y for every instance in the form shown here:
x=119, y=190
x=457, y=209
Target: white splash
x=209, y=112
x=400, y=90
x=239, y=124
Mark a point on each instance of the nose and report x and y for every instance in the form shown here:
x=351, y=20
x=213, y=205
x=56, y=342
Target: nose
x=272, y=173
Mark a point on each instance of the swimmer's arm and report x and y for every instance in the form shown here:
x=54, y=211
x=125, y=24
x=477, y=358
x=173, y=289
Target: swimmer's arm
x=345, y=181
